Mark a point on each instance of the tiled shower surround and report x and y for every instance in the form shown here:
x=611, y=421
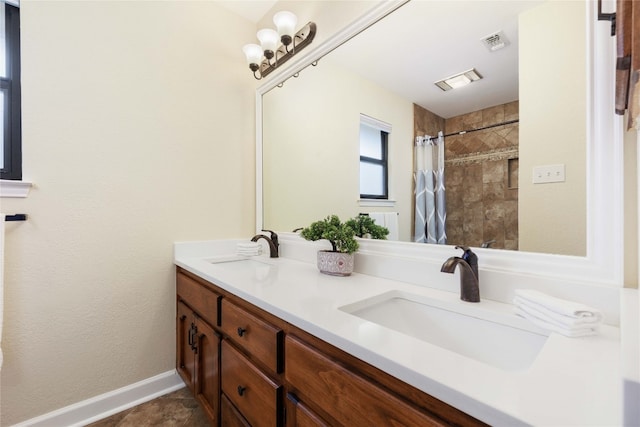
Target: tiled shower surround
x=481, y=174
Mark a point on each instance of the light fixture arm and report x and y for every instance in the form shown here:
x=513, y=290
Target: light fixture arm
x=303, y=37
x=255, y=68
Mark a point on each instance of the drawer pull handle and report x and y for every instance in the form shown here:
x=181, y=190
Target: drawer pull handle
x=241, y=390
x=241, y=331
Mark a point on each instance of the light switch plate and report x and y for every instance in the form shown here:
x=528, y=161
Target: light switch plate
x=548, y=173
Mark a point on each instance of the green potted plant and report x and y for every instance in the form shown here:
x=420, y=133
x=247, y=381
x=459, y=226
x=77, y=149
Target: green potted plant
x=365, y=226
x=342, y=235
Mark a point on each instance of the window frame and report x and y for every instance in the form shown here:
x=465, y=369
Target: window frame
x=384, y=162
x=10, y=85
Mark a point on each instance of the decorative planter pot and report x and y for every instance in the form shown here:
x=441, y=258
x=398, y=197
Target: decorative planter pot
x=335, y=263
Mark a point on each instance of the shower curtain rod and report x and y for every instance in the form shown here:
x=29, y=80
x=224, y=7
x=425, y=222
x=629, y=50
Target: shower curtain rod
x=462, y=132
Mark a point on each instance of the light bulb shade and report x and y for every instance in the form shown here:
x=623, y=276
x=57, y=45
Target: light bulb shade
x=253, y=52
x=268, y=39
x=286, y=23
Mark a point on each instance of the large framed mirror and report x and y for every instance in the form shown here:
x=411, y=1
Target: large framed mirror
x=554, y=101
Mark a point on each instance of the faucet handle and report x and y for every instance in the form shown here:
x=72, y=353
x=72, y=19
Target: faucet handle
x=274, y=236
x=470, y=257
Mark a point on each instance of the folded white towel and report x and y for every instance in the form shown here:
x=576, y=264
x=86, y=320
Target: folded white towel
x=248, y=245
x=249, y=249
x=561, y=320
x=558, y=305
x=566, y=317
x=568, y=332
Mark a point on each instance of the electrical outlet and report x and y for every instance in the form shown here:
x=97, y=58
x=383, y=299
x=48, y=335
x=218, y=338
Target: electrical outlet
x=548, y=173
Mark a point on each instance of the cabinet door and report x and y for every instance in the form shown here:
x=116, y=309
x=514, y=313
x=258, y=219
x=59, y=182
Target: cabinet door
x=299, y=414
x=207, y=383
x=185, y=362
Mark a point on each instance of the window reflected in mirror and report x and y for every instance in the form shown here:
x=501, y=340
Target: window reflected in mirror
x=374, y=175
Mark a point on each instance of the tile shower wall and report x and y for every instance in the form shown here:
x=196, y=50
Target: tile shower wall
x=481, y=176
x=425, y=122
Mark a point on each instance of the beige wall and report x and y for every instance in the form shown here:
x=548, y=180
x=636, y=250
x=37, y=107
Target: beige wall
x=552, y=217
x=311, y=149
x=330, y=16
x=138, y=131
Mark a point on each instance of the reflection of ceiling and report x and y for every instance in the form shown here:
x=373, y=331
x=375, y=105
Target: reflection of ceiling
x=427, y=40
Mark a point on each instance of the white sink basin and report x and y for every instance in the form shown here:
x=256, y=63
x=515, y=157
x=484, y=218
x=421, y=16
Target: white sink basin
x=498, y=339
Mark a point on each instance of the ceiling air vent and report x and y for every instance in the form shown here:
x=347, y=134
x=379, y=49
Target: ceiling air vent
x=495, y=41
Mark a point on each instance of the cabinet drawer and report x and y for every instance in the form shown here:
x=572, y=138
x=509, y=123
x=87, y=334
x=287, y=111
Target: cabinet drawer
x=347, y=397
x=257, y=337
x=229, y=416
x=299, y=415
x=257, y=397
x=202, y=300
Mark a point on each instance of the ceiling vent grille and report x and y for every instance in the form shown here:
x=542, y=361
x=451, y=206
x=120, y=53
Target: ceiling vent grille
x=495, y=41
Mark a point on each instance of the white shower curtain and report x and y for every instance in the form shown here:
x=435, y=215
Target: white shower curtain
x=431, y=211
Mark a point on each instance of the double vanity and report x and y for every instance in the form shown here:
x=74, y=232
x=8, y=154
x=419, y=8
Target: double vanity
x=271, y=341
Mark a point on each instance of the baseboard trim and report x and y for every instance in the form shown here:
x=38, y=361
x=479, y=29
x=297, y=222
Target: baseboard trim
x=104, y=405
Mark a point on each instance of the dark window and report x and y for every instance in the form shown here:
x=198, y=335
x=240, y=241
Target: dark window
x=374, y=178
x=10, y=97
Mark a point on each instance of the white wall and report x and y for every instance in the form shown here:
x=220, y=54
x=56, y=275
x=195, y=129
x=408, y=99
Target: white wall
x=552, y=216
x=311, y=130
x=138, y=131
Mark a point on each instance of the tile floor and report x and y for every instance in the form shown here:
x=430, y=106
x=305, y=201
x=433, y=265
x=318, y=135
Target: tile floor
x=177, y=409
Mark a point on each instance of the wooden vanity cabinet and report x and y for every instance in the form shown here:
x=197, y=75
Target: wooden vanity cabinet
x=198, y=345
x=270, y=373
x=255, y=395
x=300, y=415
x=198, y=350
x=229, y=415
x=185, y=360
x=343, y=395
x=251, y=360
x=261, y=340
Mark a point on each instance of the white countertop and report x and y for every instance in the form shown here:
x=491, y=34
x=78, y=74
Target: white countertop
x=573, y=381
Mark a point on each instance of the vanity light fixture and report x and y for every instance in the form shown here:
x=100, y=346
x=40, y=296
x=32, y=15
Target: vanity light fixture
x=459, y=80
x=268, y=56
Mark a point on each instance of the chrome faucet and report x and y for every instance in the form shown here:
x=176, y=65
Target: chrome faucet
x=272, y=241
x=469, y=279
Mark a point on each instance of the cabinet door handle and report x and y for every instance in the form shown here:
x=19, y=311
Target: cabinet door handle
x=241, y=390
x=191, y=335
x=241, y=331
